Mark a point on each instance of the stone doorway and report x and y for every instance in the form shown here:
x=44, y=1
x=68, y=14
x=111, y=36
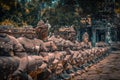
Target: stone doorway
x=100, y=35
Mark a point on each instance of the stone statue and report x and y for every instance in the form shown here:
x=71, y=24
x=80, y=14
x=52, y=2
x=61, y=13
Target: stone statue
x=108, y=38
x=41, y=30
x=85, y=37
x=85, y=43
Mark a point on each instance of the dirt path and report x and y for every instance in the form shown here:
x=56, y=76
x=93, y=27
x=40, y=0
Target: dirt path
x=107, y=69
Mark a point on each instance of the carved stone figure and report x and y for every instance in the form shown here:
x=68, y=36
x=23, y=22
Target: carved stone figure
x=85, y=43
x=65, y=62
x=41, y=30
x=33, y=46
x=11, y=45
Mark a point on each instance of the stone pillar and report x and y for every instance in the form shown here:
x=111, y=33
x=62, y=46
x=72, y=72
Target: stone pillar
x=93, y=37
x=115, y=35
x=97, y=37
x=78, y=35
x=108, y=37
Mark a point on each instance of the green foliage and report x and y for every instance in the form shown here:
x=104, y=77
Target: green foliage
x=65, y=12
x=18, y=12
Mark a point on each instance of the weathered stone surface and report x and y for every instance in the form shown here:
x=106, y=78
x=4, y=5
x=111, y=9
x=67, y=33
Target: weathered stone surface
x=66, y=61
x=107, y=69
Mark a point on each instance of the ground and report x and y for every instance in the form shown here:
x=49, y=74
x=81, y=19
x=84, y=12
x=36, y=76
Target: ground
x=107, y=69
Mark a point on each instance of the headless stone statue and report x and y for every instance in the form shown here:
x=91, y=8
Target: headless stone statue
x=10, y=46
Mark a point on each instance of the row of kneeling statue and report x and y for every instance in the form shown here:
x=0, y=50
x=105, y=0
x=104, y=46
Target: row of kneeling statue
x=33, y=59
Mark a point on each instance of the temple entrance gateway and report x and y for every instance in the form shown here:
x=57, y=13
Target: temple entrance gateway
x=100, y=35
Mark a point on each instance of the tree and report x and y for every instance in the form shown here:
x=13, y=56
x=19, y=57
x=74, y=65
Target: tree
x=62, y=12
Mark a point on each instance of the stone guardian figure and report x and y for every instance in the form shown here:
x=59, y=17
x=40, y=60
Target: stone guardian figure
x=85, y=43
